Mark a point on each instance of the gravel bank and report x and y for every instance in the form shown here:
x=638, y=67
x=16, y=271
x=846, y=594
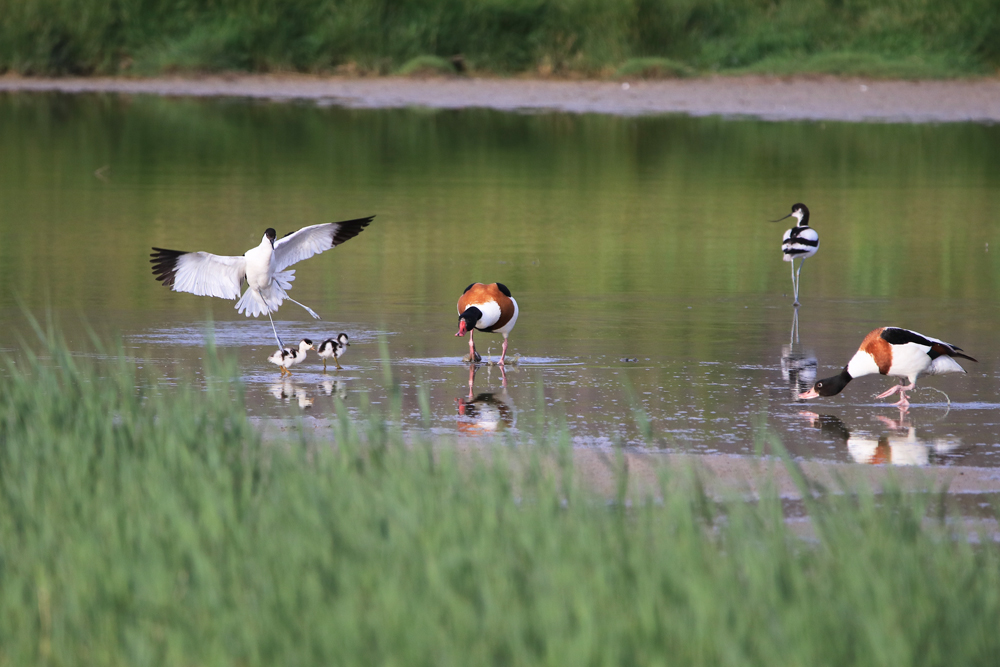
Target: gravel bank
x=769, y=98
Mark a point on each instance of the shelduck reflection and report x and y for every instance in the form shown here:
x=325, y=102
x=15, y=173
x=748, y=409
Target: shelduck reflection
x=901, y=446
x=486, y=412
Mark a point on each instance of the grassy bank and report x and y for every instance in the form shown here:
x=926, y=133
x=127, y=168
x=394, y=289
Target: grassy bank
x=151, y=526
x=902, y=38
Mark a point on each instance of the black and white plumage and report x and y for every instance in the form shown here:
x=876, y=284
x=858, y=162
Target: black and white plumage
x=333, y=348
x=896, y=352
x=798, y=365
x=264, y=267
x=287, y=357
x=800, y=242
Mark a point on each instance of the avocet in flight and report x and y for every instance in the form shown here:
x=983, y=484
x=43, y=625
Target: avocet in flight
x=264, y=268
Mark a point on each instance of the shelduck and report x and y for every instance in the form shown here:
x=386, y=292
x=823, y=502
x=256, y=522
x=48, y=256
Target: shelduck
x=333, y=348
x=486, y=308
x=897, y=352
x=287, y=357
x=262, y=267
x=800, y=242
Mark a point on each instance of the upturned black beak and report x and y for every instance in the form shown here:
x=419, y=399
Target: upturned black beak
x=780, y=219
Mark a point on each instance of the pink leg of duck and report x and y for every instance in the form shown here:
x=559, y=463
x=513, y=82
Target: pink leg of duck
x=902, y=403
x=503, y=352
x=472, y=348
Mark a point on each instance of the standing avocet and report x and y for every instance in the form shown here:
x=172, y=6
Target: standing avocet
x=263, y=267
x=800, y=242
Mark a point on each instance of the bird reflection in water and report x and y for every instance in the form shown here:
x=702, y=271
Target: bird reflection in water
x=485, y=412
x=901, y=447
x=336, y=388
x=798, y=366
x=287, y=388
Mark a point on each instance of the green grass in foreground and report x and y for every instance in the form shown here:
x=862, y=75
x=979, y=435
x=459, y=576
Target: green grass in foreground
x=152, y=526
x=909, y=38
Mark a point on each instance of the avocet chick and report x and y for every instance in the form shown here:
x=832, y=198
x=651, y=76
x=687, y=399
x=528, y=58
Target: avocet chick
x=289, y=356
x=333, y=348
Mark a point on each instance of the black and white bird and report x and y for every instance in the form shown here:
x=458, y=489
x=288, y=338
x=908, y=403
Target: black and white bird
x=333, y=348
x=264, y=268
x=800, y=242
x=897, y=352
x=287, y=357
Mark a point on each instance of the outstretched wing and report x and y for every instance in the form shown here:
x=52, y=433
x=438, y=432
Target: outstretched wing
x=315, y=239
x=199, y=273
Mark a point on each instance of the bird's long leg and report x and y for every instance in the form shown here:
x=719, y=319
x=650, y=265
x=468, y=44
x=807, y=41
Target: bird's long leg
x=503, y=351
x=281, y=345
x=324, y=364
x=337, y=361
x=798, y=279
x=472, y=379
x=267, y=307
x=308, y=309
x=795, y=287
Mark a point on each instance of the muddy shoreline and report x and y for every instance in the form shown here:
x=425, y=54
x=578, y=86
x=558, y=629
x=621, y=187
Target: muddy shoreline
x=770, y=98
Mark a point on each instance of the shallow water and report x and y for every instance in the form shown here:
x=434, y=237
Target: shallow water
x=649, y=281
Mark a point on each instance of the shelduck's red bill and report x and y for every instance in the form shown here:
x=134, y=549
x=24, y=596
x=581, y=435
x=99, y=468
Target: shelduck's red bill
x=812, y=393
x=461, y=328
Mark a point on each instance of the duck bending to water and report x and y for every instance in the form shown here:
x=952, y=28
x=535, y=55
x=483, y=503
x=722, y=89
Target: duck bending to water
x=486, y=308
x=897, y=352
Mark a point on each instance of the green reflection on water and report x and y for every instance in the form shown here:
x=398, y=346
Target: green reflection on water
x=608, y=228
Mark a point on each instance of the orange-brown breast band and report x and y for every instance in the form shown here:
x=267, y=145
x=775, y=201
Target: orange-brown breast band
x=478, y=293
x=883, y=452
x=879, y=350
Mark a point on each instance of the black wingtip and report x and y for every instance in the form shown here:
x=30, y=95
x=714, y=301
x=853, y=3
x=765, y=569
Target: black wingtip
x=348, y=229
x=164, y=263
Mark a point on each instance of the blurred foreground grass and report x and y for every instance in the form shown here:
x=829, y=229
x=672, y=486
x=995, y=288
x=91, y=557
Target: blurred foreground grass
x=144, y=524
x=891, y=38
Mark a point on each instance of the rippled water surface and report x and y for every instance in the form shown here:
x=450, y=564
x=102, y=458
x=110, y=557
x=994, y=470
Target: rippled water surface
x=653, y=298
